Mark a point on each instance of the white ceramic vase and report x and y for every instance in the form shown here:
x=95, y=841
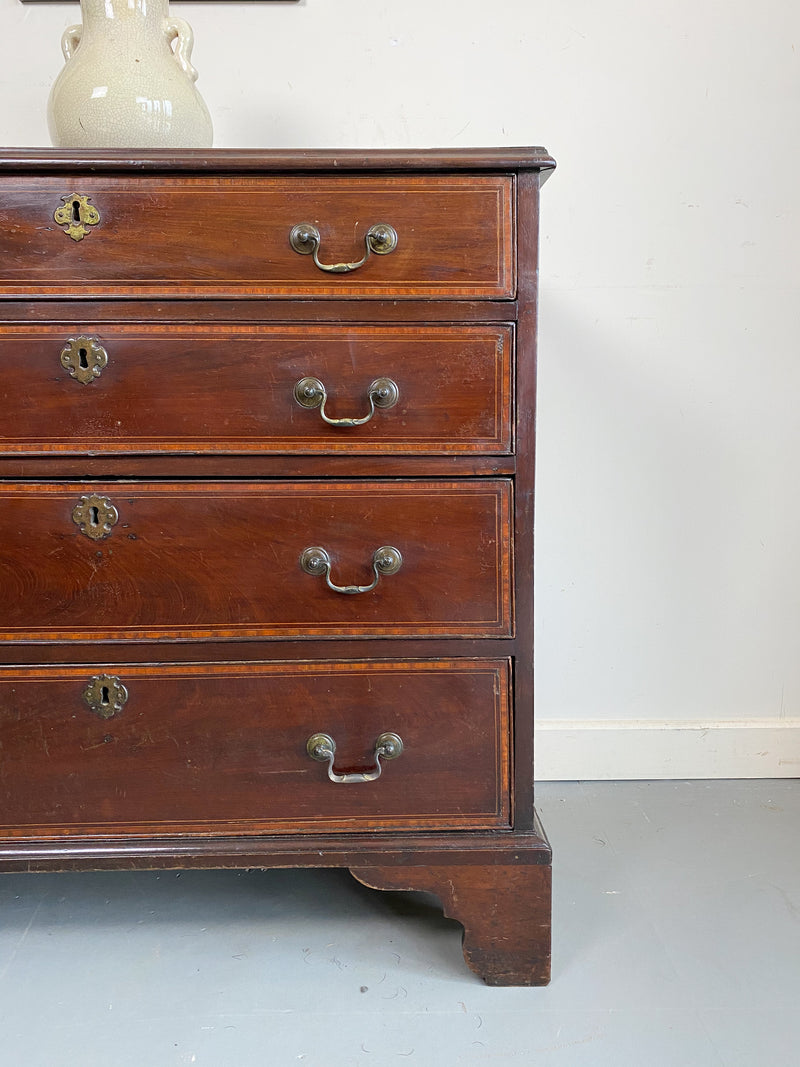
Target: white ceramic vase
x=128, y=81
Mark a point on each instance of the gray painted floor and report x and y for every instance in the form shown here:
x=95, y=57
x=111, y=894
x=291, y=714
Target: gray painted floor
x=676, y=943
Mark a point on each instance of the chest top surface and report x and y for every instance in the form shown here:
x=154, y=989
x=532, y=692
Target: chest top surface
x=425, y=225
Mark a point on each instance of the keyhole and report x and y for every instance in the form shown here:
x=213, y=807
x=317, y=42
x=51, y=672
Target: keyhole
x=104, y=695
x=94, y=518
x=83, y=357
x=76, y=211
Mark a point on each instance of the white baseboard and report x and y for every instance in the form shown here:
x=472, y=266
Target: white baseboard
x=589, y=750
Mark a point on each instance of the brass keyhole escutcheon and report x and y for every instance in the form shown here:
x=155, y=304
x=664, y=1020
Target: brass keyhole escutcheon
x=105, y=695
x=75, y=215
x=95, y=515
x=84, y=358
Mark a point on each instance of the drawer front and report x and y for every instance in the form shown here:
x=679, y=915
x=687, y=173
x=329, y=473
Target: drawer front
x=218, y=236
x=167, y=561
x=231, y=389
x=223, y=748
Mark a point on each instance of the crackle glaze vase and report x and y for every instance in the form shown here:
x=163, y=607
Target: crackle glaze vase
x=128, y=81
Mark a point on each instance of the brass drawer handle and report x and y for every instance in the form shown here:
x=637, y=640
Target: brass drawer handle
x=322, y=747
x=311, y=393
x=380, y=239
x=385, y=561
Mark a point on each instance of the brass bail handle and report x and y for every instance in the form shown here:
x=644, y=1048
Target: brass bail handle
x=322, y=747
x=385, y=561
x=311, y=393
x=380, y=239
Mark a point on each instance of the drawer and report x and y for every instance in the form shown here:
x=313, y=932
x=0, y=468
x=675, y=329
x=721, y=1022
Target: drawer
x=222, y=748
x=201, y=236
x=231, y=389
x=127, y=560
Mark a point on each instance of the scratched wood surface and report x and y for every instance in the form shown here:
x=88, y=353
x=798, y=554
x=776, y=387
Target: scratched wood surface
x=205, y=235
x=223, y=560
x=223, y=388
x=504, y=909
x=232, y=654
x=232, y=162
x=222, y=747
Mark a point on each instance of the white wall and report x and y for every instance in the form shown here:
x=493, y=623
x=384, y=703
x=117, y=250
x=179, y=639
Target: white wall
x=668, y=528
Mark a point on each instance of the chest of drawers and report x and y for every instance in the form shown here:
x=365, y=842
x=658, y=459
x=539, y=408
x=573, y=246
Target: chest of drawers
x=266, y=522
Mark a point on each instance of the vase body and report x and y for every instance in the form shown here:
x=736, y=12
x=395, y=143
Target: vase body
x=128, y=81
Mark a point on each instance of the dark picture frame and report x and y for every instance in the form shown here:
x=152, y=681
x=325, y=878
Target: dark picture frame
x=215, y=1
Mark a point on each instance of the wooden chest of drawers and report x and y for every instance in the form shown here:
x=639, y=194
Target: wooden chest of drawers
x=266, y=522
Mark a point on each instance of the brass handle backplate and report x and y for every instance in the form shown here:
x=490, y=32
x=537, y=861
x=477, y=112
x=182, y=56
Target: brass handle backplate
x=322, y=747
x=305, y=238
x=311, y=393
x=95, y=515
x=385, y=561
x=106, y=695
x=84, y=358
x=75, y=215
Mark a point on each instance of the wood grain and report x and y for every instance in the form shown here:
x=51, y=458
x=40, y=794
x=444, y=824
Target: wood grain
x=230, y=389
x=504, y=909
x=205, y=560
x=221, y=747
x=237, y=161
x=326, y=848
x=178, y=237
x=233, y=655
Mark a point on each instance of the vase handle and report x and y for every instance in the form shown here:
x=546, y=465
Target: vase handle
x=70, y=40
x=179, y=30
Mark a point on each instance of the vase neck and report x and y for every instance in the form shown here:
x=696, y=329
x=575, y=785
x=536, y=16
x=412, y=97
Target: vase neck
x=95, y=11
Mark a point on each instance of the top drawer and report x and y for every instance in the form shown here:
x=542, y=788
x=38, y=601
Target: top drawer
x=230, y=236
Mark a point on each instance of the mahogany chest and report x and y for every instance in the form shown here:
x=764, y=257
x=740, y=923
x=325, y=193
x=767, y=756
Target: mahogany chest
x=266, y=522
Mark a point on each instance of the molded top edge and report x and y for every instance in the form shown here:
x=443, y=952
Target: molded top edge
x=259, y=160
